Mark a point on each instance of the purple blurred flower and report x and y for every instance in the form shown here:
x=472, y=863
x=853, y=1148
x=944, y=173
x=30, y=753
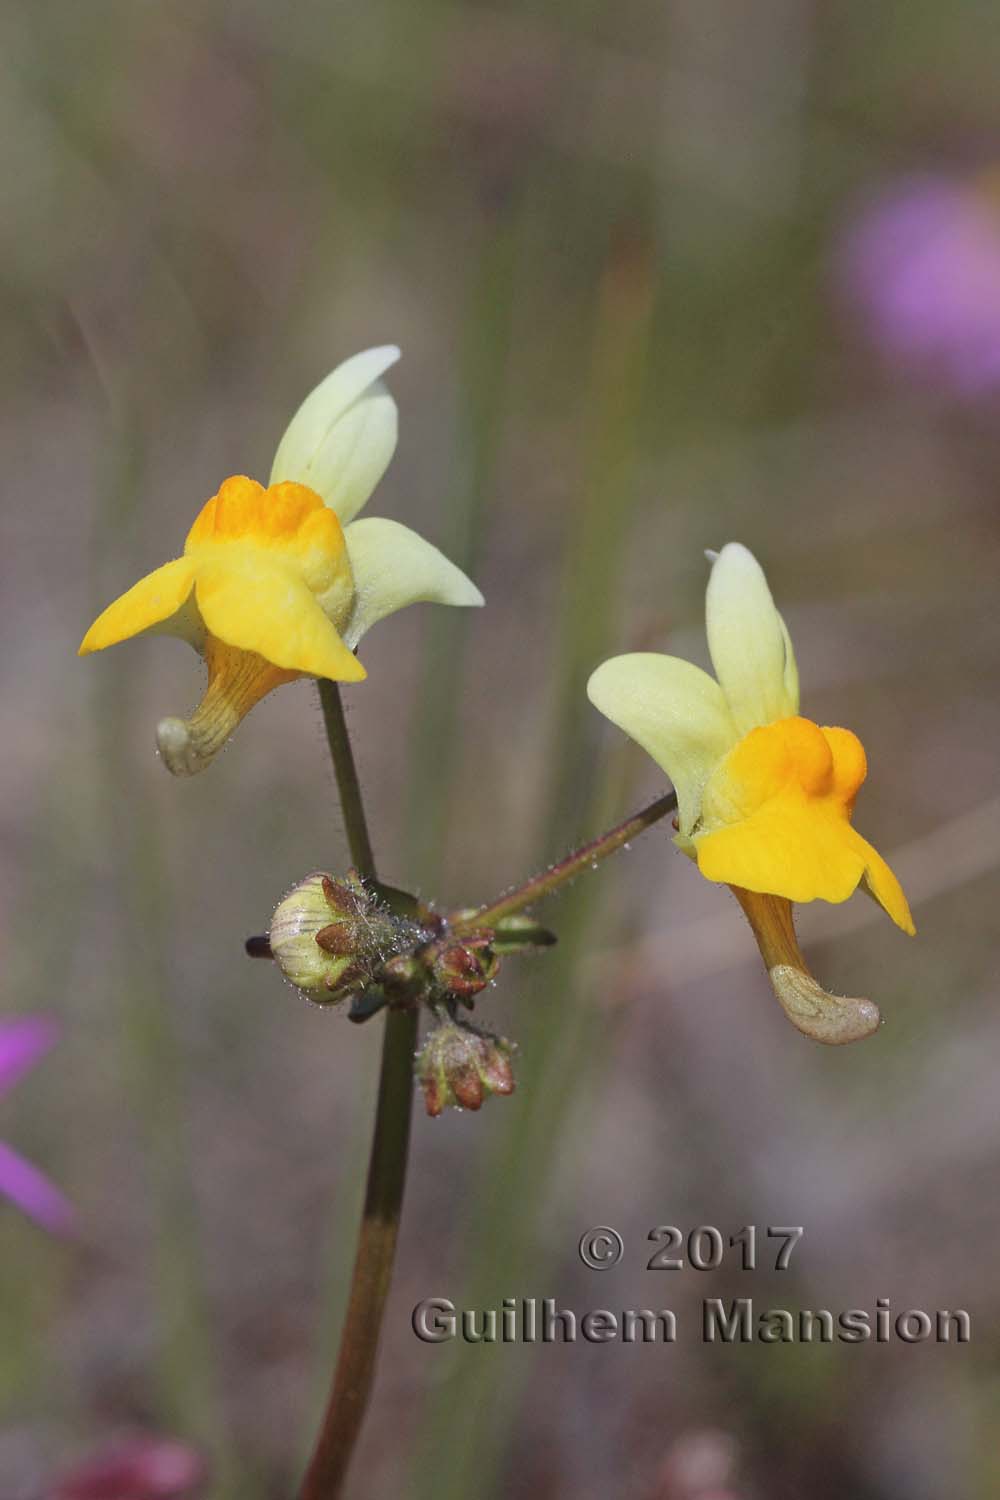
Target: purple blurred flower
x=140, y=1468
x=22, y=1043
x=922, y=264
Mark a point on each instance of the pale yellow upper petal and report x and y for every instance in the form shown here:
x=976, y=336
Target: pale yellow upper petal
x=750, y=647
x=156, y=602
x=259, y=605
x=675, y=711
x=342, y=438
x=791, y=671
x=392, y=567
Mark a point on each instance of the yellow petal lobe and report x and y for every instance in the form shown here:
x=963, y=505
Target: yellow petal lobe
x=776, y=819
x=151, y=602
x=251, y=602
x=288, y=522
x=881, y=883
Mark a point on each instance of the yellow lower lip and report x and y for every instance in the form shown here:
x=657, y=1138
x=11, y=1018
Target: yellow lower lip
x=776, y=819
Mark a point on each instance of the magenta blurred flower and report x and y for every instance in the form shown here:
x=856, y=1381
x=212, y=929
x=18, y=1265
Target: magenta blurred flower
x=22, y=1043
x=922, y=265
x=140, y=1468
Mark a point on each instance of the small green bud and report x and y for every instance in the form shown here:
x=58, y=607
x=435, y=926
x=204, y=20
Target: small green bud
x=329, y=936
x=516, y=933
x=459, y=1066
x=519, y=932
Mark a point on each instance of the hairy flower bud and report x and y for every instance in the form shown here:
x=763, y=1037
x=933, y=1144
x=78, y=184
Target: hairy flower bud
x=328, y=936
x=463, y=966
x=459, y=1066
x=404, y=979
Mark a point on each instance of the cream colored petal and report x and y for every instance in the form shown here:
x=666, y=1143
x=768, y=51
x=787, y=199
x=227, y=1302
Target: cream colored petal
x=750, y=647
x=343, y=436
x=394, y=567
x=791, y=671
x=675, y=711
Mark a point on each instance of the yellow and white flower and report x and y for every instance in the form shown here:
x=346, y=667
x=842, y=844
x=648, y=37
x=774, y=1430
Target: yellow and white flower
x=283, y=582
x=765, y=797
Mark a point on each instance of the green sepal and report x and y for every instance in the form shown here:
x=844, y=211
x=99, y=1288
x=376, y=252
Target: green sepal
x=519, y=933
x=366, y=1005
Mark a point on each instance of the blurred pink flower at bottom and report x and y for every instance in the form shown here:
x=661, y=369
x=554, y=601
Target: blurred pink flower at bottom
x=700, y=1465
x=142, y=1468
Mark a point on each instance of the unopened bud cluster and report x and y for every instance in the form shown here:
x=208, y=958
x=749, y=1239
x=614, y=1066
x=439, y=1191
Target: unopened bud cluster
x=341, y=939
x=459, y=1066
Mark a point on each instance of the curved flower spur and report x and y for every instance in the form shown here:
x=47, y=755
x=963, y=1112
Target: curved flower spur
x=765, y=797
x=280, y=583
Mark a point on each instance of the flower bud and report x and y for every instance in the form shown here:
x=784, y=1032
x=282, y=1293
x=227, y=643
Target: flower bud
x=519, y=933
x=459, y=1066
x=463, y=966
x=329, y=936
x=404, y=979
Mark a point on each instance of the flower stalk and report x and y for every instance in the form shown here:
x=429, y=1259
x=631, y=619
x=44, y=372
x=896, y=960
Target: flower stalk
x=372, y=1276
x=587, y=856
x=348, y=783
x=355, y=1369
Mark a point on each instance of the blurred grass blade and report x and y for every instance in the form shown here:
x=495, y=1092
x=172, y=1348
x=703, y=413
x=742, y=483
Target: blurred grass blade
x=480, y=381
x=461, y=1459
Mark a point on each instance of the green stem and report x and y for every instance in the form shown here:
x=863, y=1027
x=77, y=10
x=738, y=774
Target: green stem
x=587, y=856
x=348, y=785
x=355, y=1369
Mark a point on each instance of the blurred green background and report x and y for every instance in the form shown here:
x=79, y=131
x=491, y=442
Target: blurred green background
x=605, y=238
